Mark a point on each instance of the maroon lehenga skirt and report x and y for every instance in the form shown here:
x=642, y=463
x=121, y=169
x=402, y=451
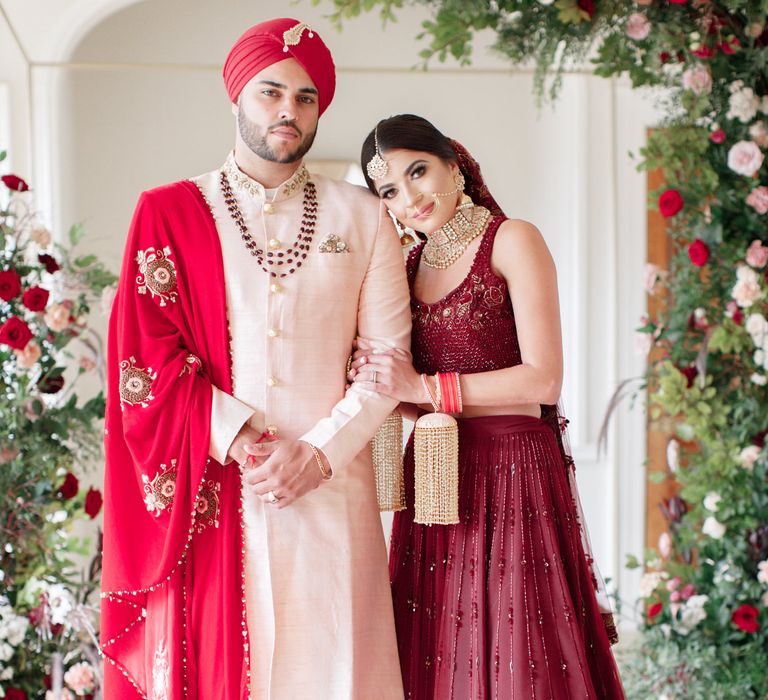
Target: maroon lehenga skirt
x=501, y=605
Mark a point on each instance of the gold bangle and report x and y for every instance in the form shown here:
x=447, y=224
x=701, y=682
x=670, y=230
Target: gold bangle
x=327, y=473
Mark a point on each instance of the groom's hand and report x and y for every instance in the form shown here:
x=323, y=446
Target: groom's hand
x=286, y=469
x=247, y=437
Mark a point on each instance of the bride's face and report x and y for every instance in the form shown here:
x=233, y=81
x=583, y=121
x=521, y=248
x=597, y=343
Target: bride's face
x=419, y=189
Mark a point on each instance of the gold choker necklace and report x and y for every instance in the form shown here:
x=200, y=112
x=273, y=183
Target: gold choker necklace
x=445, y=246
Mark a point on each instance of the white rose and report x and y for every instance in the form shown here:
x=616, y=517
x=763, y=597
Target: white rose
x=748, y=456
x=6, y=651
x=649, y=583
x=673, y=455
x=17, y=629
x=61, y=603
x=742, y=104
x=757, y=327
x=692, y=613
x=5, y=675
x=712, y=500
x=713, y=527
x=759, y=379
x=759, y=134
x=747, y=289
x=762, y=574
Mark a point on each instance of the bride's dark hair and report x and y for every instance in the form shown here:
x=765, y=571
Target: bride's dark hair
x=409, y=132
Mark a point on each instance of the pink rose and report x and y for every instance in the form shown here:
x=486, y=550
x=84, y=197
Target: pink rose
x=745, y=158
x=688, y=590
x=758, y=200
x=759, y=134
x=675, y=596
x=80, y=678
x=698, y=79
x=26, y=358
x=638, y=26
x=757, y=253
x=57, y=318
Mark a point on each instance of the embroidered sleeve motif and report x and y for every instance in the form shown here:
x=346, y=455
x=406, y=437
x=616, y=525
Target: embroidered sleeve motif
x=192, y=364
x=207, y=505
x=161, y=671
x=157, y=273
x=135, y=384
x=159, y=491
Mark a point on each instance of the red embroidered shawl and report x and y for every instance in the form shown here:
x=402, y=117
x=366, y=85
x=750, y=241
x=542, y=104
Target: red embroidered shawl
x=173, y=617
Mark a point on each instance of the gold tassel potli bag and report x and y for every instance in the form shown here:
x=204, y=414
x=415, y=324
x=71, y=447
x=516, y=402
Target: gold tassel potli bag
x=436, y=455
x=387, y=449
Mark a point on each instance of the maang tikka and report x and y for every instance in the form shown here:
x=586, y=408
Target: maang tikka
x=377, y=167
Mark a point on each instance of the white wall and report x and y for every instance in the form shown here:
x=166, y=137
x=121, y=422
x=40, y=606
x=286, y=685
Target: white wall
x=139, y=101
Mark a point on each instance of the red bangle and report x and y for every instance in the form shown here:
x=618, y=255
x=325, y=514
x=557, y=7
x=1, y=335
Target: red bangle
x=450, y=389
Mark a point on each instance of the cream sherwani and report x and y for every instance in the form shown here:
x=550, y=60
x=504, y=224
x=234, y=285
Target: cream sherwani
x=318, y=600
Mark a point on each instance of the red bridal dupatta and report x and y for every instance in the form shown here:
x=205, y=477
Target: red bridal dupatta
x=173, y=612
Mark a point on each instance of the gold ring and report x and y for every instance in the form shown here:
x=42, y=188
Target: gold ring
x=272, y=498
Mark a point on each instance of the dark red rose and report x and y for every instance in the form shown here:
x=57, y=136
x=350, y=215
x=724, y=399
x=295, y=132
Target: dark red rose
x=654, y=610
x=36, y=616
x=15, y=694
x=15, y=333
x=738, y=317
x=673, y=509
x=588, y=6
x=93, y=501
x=69, y=487
x=10, y=284
x=698, y=252
x=51, y=385
x=705, y=52
x=717, y=136
x=678, y=2
x=745, y=618
x=15, y=183
x=729, y=46
x=670, y=203
x=689, y=373
x=49, y=261
x=759, y=439
x=35, y=298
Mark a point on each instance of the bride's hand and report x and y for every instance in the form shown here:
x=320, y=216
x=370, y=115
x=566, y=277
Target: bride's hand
x=388, y=372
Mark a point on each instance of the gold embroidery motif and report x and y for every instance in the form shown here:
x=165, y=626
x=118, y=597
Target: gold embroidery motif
x=292, y=36
x=192, y=364
x=157, y=273
x=207, y=506
x=161, y=672
x=135, y=383
x=333, y=244
x=243, y=183
x=159, y=490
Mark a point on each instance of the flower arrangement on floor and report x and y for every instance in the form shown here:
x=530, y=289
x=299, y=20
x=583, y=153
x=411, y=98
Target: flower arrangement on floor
x=47, y=440
x=705, y=593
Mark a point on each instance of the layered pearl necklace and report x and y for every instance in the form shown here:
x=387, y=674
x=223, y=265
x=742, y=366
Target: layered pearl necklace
x=446, y=245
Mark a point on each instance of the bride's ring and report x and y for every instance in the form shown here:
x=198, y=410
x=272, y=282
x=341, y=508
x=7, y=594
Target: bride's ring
x=373, y=376
x=272, y=498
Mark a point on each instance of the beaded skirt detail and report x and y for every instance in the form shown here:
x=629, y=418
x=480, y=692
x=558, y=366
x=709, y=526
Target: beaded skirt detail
x=501, y=605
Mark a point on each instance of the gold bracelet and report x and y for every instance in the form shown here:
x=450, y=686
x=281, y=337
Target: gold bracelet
x=327, y=473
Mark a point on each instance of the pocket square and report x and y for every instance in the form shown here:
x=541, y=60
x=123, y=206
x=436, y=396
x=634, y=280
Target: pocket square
x=332, y=243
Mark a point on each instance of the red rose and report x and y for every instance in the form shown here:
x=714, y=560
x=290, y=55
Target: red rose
x=93, y=501
x=49, y=261
x=745, y=618
x=664, y=56
x=10, y=284
x=588, y=6
x=15, y=694
x=717, y=136
x=670, y=203
x=738, y=317
x=69, y=487
x=51, y=385
x=729, y=46
x=654, y=610
x=678, y=2
x=15, y=183
x=689, y=373
x=705, y=52
x=698, y=252
x=15, y=333
x=35, y=298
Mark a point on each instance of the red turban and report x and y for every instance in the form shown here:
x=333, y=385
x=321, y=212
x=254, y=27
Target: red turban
x=273, y=41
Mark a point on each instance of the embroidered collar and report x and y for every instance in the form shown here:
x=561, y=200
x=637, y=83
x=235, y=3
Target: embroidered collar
x=244, y=183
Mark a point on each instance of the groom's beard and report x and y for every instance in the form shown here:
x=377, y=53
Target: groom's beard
x=256, y=139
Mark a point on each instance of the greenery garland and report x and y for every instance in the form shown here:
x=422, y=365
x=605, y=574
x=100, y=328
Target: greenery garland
x=705, y=590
